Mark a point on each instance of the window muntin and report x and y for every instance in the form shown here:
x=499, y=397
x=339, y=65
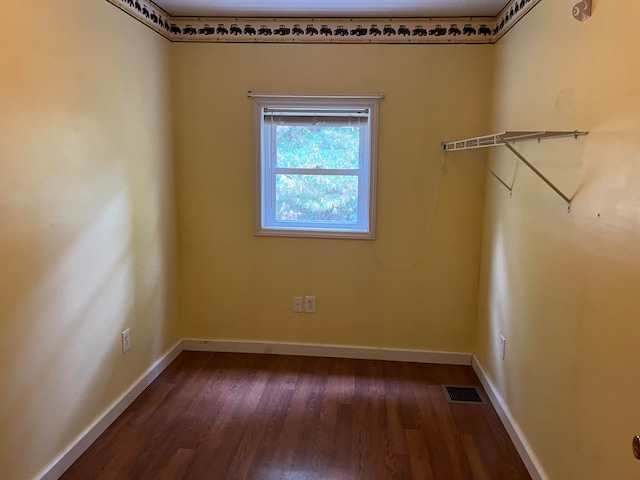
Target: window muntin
x=317, y=162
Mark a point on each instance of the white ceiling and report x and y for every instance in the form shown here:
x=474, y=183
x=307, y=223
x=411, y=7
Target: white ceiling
x=332, y=8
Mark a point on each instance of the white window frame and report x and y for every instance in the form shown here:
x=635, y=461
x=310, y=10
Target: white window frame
x=365, y=107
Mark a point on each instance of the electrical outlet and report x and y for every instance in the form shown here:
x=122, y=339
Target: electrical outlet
x=126, y=341
x=310, y=304
x=297, y=304
x=503, y=342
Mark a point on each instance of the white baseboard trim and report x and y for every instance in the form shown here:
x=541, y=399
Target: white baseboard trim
x=333, y=351
x=60, y=464
x=517, y=437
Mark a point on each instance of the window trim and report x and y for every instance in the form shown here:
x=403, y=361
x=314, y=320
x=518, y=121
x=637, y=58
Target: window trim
x=326, y=102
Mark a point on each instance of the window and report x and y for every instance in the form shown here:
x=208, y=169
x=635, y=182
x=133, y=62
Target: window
x=316, y=165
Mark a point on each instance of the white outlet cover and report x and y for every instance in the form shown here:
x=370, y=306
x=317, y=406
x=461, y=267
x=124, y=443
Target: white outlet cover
x=297, y=304
x=126, y=341
x=310, y=304
x=503, y=342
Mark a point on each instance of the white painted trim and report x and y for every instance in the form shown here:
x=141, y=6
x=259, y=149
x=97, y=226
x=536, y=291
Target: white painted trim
x=333, y=351
x=59, y=465
x=513, y=429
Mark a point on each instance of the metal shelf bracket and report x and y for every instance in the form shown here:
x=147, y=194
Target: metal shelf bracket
x=488, y=169
x=507, y=139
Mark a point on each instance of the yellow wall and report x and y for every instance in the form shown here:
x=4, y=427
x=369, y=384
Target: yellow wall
x=98, y=110
x=563, y=288
x=415, y=286
x=86, y=223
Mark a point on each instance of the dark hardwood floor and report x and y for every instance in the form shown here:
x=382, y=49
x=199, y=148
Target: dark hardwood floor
x=244, y=416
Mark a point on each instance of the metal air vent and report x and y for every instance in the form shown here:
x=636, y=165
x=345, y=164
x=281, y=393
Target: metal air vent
x=458, y=394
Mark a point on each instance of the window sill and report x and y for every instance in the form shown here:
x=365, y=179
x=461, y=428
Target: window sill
x=301, y=233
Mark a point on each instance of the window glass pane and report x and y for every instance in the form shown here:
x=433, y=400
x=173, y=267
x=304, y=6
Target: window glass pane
x=317, y=198
x=318, y=146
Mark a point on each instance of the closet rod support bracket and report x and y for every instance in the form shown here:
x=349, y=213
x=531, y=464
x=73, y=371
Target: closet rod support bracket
x=540, y=175
x=494, y=174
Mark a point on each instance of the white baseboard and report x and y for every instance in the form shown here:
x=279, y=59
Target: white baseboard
x=333, y=351
x=59, y=465
x=517, y=437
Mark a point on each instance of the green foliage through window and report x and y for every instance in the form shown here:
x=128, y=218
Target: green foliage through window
x=317, y=146
x=317, y=198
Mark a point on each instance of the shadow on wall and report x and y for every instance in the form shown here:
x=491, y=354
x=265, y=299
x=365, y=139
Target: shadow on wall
x=73, y=282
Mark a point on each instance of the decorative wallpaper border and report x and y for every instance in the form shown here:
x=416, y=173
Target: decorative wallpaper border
x=327, y=30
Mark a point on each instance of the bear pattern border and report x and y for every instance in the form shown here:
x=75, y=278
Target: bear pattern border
x=476, y=30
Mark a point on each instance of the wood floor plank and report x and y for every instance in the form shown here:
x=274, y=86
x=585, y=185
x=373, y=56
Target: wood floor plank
x=437, y=424
x=315, y=382
x=272, y=435
x=294, y=429
x=273, y=417
x=480, y=454
x=419, y=455
x=176, y=466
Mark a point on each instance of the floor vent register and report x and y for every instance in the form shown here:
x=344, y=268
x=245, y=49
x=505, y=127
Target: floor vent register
x=457, y=394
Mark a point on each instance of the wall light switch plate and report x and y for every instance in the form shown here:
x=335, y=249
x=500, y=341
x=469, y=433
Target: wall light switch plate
x=503, y=344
